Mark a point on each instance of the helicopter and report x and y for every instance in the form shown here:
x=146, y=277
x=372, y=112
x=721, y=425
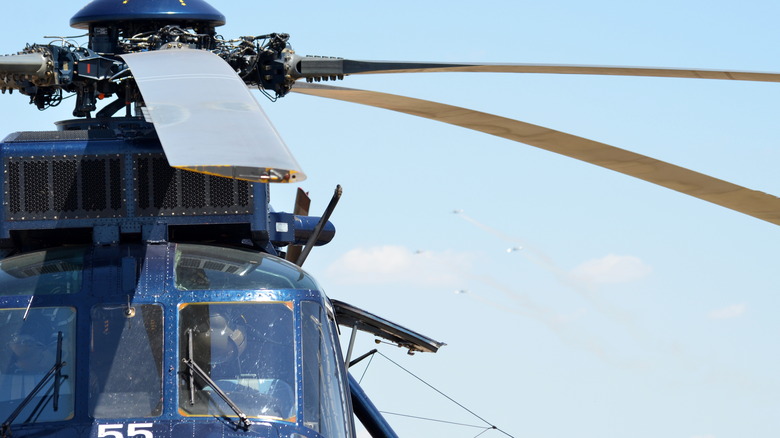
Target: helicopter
x=140, y=428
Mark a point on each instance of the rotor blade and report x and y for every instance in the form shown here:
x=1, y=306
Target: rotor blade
x=31, y=66
x=207, y=119
x=313, y=67
x=301, y=208
x=754, y=203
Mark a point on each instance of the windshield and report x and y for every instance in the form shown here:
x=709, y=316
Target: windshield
x=28, y=354
x=50, y=272
x=200, y=267
x=324, y=392
x=247, y=349
x=125, y=361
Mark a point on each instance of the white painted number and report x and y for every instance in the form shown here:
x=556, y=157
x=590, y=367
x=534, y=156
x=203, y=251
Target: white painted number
x=135, y=429
x=105, y=430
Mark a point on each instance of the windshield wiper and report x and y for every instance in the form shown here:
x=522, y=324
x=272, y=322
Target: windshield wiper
x=56, y=372
x=194, y=368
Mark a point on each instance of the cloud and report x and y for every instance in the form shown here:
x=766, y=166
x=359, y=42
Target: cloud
x=729, y=312
x=612, y=269
x=392, y=264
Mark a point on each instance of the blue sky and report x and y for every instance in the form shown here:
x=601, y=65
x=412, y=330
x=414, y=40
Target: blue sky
x=630, y=310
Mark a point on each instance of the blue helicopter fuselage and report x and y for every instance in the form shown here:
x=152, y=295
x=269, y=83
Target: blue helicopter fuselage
x=141, y=300
x=125, y=320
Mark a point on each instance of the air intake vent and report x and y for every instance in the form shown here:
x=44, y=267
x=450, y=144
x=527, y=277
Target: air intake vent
x=64, y=188
x=164, y=191
x=94, y=187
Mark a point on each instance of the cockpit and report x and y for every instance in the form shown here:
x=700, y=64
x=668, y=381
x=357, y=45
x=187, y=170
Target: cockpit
x=167, y=336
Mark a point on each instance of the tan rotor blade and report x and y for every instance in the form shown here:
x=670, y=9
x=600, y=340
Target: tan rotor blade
x=206, y=118
x=754, y=203
x=317, y=67
x=302, y=204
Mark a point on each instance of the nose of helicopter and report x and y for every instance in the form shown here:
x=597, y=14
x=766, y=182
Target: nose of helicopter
x=99, y=11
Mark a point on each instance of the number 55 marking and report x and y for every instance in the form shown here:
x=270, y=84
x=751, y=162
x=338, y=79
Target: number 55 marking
x=134, y=429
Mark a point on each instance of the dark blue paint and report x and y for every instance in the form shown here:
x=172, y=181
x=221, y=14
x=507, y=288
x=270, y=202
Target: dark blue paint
x=129, y=255
x=153, y=225
x=103, y=283
x=103, y=11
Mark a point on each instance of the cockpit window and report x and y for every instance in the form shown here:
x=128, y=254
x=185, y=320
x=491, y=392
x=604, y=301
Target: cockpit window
x=324, y=391
x=33, y=341
x=49, y=272
x=125, y=361
x=247, y=351
x=199, y=267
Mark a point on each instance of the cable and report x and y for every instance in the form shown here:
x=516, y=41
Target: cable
x=492, y=426
x=435, y=420
x=366, y=368
x=487, y=429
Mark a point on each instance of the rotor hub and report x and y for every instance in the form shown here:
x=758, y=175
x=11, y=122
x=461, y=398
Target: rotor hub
x=118, y=11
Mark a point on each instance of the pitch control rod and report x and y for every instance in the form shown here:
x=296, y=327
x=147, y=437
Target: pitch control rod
x=315, y=235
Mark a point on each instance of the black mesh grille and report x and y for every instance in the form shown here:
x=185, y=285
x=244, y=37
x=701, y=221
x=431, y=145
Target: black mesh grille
x=14, y=188
x=193, y=190
x=115, y=183
x=67, y=187
x=163, y=191
x=164, y=184
x=244, y=193
x=221, y=192
x=36, y=186
x=94, y=187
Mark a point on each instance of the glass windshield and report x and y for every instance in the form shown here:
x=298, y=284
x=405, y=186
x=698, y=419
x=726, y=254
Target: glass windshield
x=247, y=349
x=199, y=267
x=56, y=271
x=125, y=361
x=29, y=352
x=324, y=393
